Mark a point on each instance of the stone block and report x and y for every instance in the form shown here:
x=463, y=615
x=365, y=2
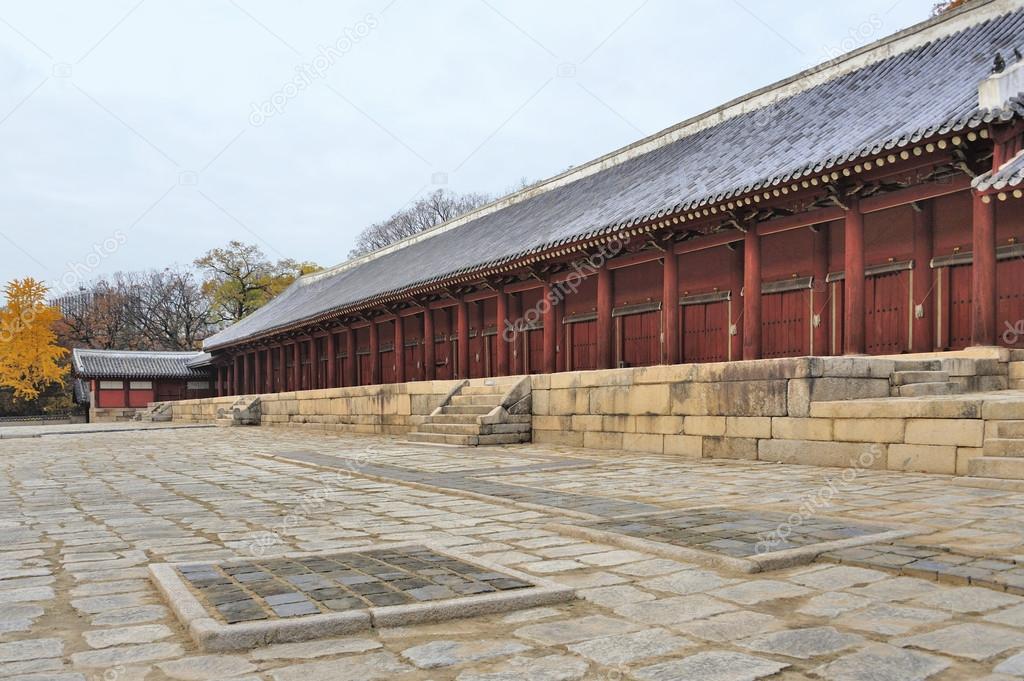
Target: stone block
x=598, y=440
x=643, y=442
x=567, y=401
x=868, y=430
x=704, y=425
x=667, y=373
x=963, y=407
x=815, y=453
x=686, y=446
x=959, y=432
x=730, y=448
x=555, y=422
x=619, y=423
x=923, y=458
x=558, y=437
x=665, y=425
x=748, y=426
x=964, y=455
x=753, y=398
x=541, y=402
x=755, y=370
x=606, y=377
x=854, y=367
x=564, y=380
x=585, y=422
x=785, y=428
x=802, y=392
x=630, y=399
x=1009, y=409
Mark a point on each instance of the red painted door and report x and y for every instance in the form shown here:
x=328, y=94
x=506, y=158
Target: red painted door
x=958, y=279
x=887, y=313
x=785, y=327
x=584, y=345
x=443, y=369
x=387, y=366
x=169, y=390
x=365, y=364
x=641, y=338
x=414, y=362
x=835, y=317
x=705, y=332
x=534, y=351
x=1010, y=302
x=491, y=355
x=477, y=361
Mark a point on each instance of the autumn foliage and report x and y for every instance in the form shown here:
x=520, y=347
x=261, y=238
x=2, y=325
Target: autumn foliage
x=29, y=354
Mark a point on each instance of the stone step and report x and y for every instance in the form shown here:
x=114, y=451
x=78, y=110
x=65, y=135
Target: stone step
x=1007, y=447
x=478, y=409
x=930, y=388
x=470, y=419
x=449, y=428
x=477, y=400
x=917, y=365
x=1004, y=468
x=504, y=438
x=1010, y=429
x=442, y=439
x=909, y=377
x=499, y=390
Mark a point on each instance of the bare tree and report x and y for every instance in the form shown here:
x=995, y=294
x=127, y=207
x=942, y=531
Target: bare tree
x=429, y=211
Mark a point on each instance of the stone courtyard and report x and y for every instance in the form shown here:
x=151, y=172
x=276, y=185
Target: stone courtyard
x=85, y=514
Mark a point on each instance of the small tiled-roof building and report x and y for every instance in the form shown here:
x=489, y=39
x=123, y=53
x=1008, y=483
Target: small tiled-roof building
x=869, y=205
x=122, y=381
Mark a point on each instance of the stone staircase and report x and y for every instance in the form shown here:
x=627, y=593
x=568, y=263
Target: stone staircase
x=245, y=411
x=1003, y=451
x=946, y=376
x=155, y=412
x=492, y=411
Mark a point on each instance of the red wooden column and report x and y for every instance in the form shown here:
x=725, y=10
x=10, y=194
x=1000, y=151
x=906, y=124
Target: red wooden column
x=504, y=333
x=270, y=370
x=332, y=361
x=550, y=331
x=735, y=301
x=605, y=328
x=236, y=375
x=462, y=335
x=297, y=365
x=374, y=353
x=819, y=292
x=751, y=295
x=983, y=273
x=220, y=380
x=670, y=309
x=282, y=357
x=257, y=372
x=429, y=358
x=853, y=282
x=924, y=326
x=246, y=373
x=350, y=359
x=399, y=350
x=515, y=313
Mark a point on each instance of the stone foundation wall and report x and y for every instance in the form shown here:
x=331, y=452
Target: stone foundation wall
x=113, y=414
x=383, y=409
x=760, y=410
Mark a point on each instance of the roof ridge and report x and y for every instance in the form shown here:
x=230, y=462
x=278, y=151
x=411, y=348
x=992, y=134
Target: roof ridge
x=834, y=68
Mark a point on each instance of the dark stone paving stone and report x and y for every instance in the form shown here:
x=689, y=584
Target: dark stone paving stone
x=342, y=581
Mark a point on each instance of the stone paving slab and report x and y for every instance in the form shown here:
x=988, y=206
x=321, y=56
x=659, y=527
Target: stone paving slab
x=1002, y=573
x=235, y=604
x=737, y=539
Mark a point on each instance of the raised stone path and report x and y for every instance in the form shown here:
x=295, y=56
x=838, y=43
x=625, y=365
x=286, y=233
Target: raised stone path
x=83, y=515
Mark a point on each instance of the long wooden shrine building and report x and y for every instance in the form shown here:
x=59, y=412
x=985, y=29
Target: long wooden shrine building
x=868, y=205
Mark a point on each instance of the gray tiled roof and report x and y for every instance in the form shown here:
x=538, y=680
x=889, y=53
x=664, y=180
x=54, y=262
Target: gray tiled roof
x=1009, y=175
x=89, y=363
x=888, y=103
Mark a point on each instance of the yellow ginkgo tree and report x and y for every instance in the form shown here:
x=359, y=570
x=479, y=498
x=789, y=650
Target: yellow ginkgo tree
x=29, y=354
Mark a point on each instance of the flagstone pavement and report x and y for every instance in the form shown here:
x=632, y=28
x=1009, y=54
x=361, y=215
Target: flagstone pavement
x=82, y=514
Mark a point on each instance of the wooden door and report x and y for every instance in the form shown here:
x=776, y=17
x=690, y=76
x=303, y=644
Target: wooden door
x=958, y=319
x=534, y=342
x=583, y=345
x=443, y=368
x=785, y=323
x=887, y=313
x=477, y=361
x=641, y=339
x=414, y=362
x=705, y=332
x=387, y=366
x=365, y=368
x=1010, y=302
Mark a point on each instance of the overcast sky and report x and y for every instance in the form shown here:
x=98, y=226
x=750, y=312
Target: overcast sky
x=140, y=134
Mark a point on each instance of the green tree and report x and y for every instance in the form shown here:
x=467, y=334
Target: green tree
x=239, y=279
